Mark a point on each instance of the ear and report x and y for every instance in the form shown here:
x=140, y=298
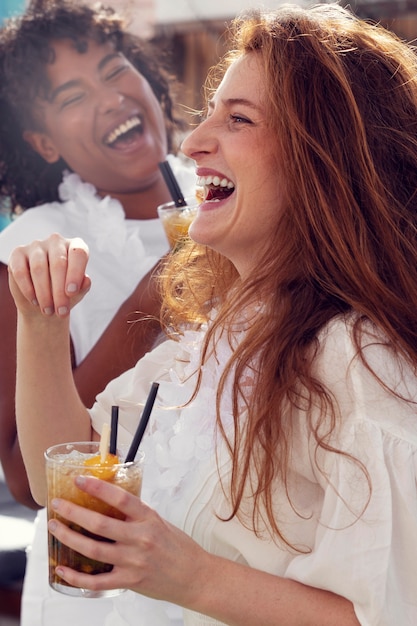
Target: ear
x=42, y=144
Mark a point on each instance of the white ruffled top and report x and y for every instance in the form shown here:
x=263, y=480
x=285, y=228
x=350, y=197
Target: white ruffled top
x=367, y=556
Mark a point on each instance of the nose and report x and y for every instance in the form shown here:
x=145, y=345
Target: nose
x=109, y=100
x=200, y=141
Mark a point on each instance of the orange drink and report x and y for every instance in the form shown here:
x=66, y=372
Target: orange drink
x=176, y=220
x=64, y=462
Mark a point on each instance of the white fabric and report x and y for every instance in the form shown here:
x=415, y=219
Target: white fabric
x=368, y=556
x=122, y=251
x=42, y=606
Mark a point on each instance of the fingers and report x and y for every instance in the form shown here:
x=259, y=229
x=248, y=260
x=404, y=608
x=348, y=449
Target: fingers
x=67, y=263
x=123, y=543
x=93, y=548
x=149, y=555
x=48, y=268
x=128, y=504
x=77, y=262
x=50, y=274
x=98, y=582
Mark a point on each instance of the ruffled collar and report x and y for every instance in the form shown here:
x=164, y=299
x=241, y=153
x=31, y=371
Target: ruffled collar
x=100, y=217
x=183, y=441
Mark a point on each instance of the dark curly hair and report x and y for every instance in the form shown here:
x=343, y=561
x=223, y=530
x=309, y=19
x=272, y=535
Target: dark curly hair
x=25, y=52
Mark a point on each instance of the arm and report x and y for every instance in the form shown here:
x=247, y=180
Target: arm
x=10, y=454
x=117, y=350
x=48, y=407
x=157, y=559
x=123, y=343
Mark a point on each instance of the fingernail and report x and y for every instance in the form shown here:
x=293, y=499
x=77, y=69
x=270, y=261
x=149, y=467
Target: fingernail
x=48, y=310
x=72, y=288
x=62, y=310
x=52, y=525
x=55, y=503
x=80, y=481
x=35, y=302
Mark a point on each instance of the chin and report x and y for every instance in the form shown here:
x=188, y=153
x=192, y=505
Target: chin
x=198, y=236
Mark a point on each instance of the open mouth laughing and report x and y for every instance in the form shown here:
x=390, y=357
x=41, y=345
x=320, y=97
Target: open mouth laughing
x=125, y=133
x=216, y=188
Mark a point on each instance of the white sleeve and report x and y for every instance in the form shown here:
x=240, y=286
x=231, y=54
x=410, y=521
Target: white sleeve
x=368, y=556
x=370, y=560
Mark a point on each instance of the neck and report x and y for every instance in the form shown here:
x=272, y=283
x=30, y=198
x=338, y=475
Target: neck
x=141, y=205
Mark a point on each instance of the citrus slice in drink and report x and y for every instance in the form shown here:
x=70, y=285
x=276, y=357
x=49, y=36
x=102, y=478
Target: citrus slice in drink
x=103, y=469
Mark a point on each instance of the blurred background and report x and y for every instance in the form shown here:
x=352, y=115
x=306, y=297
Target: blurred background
x=194, y=32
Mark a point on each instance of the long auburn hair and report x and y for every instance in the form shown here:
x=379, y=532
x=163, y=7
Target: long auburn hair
x=342, y=108
x=25, y=53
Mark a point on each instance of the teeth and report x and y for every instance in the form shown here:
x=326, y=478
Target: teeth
x=123, y=128
x=205, y=181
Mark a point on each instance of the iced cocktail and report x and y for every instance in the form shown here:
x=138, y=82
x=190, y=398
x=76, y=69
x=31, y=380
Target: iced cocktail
x=176, y=220
x=64, y=462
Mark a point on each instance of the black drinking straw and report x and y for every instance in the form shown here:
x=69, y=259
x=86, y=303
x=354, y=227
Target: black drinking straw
x=113, y=429
x=143, y=422
x=172, y=184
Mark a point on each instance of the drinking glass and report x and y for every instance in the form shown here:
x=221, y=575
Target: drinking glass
x=64, y=462
x=176, y=220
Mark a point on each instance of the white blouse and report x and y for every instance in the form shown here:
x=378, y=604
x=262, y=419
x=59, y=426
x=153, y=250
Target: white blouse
x=357, y=543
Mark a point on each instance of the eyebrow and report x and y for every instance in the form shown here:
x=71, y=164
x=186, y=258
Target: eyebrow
x=228, y=102
x=75, y=83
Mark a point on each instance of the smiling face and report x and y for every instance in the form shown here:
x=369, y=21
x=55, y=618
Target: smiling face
x=238, y=165
x=102, y=118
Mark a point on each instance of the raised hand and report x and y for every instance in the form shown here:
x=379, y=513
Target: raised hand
x=49, y=276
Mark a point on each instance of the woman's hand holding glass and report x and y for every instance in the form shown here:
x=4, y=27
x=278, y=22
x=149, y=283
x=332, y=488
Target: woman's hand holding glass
x=149, y=555
x=49, y=276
